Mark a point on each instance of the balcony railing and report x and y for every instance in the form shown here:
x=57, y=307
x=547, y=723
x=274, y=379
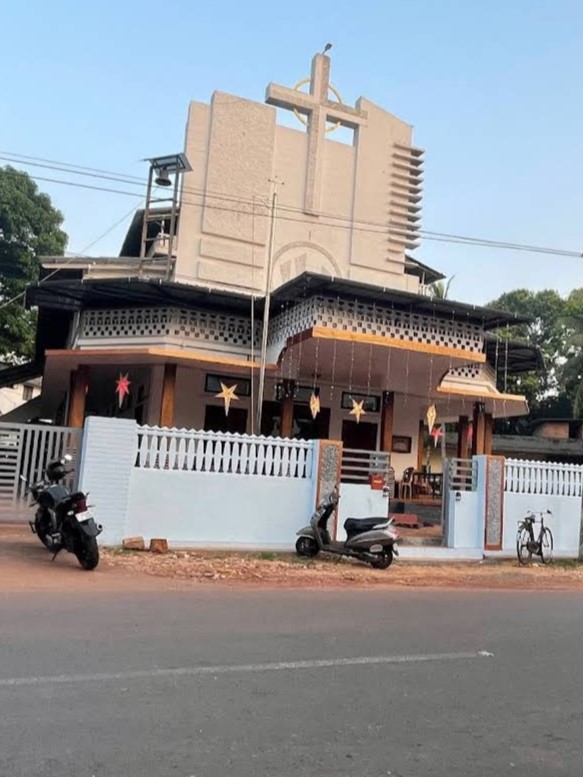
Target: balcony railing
x=358, y=466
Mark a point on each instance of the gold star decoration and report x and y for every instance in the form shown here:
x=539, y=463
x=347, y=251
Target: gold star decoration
x=314, y=405
x=227, y=394
x=431, y=416
x=357, y=409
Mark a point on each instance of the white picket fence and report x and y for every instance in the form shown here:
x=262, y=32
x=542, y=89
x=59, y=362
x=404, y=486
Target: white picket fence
x=235, y=454
x=544, y=478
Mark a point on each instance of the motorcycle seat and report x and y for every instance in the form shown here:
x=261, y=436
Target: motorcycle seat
x=359, y=525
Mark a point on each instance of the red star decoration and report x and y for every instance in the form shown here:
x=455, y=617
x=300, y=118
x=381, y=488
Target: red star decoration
x=436, y=433
x=122, y=387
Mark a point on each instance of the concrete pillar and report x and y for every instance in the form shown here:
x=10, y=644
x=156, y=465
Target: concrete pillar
x=108, y=458
x=327, y=472
x=287, y=408
x=421, y=446
x=78, y=396
x=387, y=417
x=488, y=434
x=479, y=432
x=168, y=396
x=463, y=437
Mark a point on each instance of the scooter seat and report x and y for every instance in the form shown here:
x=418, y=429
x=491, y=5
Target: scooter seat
x=358, y=525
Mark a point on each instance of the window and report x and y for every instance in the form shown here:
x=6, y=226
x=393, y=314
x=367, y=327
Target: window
x=372, y=404
x=212, y=384
x=302, y=394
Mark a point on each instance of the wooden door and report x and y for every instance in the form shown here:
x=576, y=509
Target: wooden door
x=357, y=438
x=215, y=419
x=361, y=436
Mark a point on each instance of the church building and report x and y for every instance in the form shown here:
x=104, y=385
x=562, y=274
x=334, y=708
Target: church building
x=270, y=287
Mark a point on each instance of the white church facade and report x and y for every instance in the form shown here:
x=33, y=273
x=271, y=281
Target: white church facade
x=280, y=296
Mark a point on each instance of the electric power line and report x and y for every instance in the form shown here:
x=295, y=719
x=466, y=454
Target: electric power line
x=373, y=227
x=361, y=226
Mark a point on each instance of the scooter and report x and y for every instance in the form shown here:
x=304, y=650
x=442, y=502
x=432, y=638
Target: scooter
x=368, y=539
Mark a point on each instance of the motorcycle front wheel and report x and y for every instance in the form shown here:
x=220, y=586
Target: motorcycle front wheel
x=43, y=527
x=307, y=547
x=383, y=560
x=87, y=552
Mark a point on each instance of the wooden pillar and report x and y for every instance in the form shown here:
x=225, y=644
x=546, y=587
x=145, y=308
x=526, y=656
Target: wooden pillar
x=387, y=416
x=463, y=437
x=421, y=446
x=488, y=433
x=287, y=408
x=78, y=396
x=168, y=394
x=479, y=432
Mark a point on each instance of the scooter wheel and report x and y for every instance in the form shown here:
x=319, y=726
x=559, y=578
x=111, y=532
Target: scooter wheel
x=307, y=547
x=383, y=560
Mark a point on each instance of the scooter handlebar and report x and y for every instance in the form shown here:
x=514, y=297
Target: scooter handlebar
x=332, y=499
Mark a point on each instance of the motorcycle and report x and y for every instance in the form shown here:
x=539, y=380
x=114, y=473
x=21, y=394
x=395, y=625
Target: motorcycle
x=367, y=539
x=62, y=520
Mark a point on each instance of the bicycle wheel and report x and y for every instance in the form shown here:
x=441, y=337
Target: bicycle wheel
x=546, y=546
x=522, y=550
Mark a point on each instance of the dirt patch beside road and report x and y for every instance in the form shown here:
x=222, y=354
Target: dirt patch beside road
x=280, y=570
x=26, y=566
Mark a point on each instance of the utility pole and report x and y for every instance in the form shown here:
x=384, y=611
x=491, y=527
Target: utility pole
x=265, y=332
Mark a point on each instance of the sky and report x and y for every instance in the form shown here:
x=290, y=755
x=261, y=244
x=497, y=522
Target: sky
x=493, y=89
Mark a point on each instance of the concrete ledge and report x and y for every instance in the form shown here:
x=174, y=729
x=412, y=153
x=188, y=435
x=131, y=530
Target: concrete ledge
x=427, y=553
x=505, y=555
x=406, y=552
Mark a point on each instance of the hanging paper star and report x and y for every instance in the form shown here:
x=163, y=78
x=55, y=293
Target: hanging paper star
x=122, y=387
x=431, y=415
x=437, y=434
x=227, y=394
x=314, y=405
x=357, y=409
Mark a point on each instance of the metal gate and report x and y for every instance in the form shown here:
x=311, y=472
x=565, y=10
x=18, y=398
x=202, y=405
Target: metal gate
x=25, y=451
x=458, y=475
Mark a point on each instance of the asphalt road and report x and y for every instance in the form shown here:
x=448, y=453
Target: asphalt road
x=211, y=682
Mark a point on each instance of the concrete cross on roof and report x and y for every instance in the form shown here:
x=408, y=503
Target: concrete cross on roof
x=319, y=109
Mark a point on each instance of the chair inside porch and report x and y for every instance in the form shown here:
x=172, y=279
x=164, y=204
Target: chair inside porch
x=417, y=503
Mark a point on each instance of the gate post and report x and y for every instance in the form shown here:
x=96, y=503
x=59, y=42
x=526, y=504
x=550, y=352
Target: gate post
x=327, y=470
x=494, y=502
x=108, y=457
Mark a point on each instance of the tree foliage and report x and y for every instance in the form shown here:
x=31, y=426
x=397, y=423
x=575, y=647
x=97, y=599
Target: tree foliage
x=557, y=330
x=571, y=371
x=29, y=227
x=440, y=289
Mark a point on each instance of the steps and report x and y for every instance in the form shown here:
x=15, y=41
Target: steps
x=427, y=512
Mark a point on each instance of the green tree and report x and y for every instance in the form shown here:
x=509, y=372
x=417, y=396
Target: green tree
x=547, y=333
x=440, y=289
x=29, y=227
x=571, y=371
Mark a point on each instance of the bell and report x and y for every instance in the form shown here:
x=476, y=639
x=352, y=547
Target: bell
x=163, y=179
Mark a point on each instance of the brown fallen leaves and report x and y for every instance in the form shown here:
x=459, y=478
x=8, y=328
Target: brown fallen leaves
x=282, y=570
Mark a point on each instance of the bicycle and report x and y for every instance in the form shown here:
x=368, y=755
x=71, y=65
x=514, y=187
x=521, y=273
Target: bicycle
x=527, y=544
